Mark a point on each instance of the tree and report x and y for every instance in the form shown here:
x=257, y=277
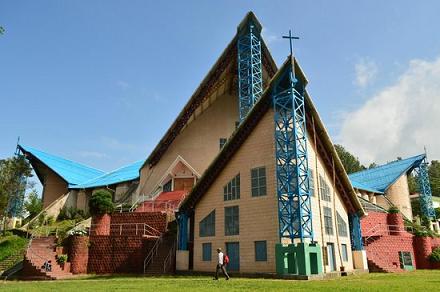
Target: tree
x=349, y=161
x=2, y=30
x=101, y=203
x=13, y=174
x=434, y=177
x=33, y=204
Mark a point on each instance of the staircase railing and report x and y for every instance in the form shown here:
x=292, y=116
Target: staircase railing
x=385, y=229
x=137, y=229
x=169, y=260
x=31, y=254
x=153, y=252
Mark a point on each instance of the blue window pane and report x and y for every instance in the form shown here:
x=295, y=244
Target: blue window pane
x=260, y=251
x=207, y=252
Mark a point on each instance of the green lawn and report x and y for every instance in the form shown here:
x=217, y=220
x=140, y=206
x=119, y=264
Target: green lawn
x=10, y=245
x=412, y=281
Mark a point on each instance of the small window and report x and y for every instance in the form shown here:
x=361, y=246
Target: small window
x=231, y=191
x=311, y=183
x=260, y=251
x=232, y=222
x=324, y=190
x=207, y=225
x=328, y=222
x=344, y=252
x=222, y=142
x=207, y=252
x=167, y=187
x=342, y=225
x=258, y=181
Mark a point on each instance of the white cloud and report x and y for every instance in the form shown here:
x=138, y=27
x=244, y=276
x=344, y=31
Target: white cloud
x=366, y=71
x=92, y=154
x=399, y=120
x=123, y=84
x=269, y=37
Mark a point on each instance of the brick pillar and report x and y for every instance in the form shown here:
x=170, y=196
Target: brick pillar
x=396, y=222
x=79, y=254
x=101, y=225
x=422, y=248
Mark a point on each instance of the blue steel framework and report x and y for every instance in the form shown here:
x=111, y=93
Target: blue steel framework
x=355, y=232
x=250, y=76
x=425, y=190
x=293, y=186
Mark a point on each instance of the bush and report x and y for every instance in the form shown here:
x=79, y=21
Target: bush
x=435, y=255
x=61, y=259
x=101, y=203
x=63, y=214
x=393, y=210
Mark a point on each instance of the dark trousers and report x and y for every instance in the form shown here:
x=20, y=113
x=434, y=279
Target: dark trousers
x=221, y=267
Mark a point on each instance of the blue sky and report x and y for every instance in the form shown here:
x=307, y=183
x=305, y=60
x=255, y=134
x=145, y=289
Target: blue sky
x=99, y=82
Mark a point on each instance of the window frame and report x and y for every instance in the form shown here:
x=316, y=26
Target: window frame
x=204, y=225
x=231, y=191
x=344, y=252
x=206, y=257
x=324, y=189
x=328, y=221
x=342, y=225
x=259, y=257
x=232, y=220
x=258, y=181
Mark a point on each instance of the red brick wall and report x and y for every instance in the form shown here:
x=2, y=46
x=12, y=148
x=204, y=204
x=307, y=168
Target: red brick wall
x=117, y=254
x=101, y=225
x=79, y=254
x=123, y=249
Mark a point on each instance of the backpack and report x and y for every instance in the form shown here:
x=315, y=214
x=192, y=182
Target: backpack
x=225, y=259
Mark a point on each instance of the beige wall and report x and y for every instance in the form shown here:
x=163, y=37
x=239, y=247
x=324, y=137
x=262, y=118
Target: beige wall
x=258, y=215
x=53, y=188
x=336, y=203
x=398, y=194
x=198, y=143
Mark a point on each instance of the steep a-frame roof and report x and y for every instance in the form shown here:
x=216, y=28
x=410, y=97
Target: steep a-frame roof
x=380, y=178
x=315, y=128
x=70, y=171
x=207, y=86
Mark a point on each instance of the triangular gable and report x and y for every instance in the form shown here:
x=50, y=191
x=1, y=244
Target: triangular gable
x=324, y=146
x=70, y=171
x=206, y=86
x=124, y=174
x=380, y=178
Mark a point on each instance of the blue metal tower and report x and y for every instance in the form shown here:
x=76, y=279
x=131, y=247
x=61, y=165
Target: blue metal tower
x=250, y=76
x=425, y=190
x=292, y=171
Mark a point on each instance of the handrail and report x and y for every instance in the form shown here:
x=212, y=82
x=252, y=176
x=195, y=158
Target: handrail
x=143, y=229
x=167, y=261
x=380, y=228
x=149, y=258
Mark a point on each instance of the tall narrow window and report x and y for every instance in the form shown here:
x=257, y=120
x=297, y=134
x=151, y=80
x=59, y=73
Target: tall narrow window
x=231, y=191
x=311, y=183
x=207, y=225
x=342, y=225
x=258, y=181
x=222, y=142
x=206, y=251
x=324, y=190
x=328, y=222
x=167, y=187
x=344, y=252
x=260, y=251
x=232, y=220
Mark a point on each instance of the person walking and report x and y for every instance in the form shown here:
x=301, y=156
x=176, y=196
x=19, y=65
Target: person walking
x=221, y=265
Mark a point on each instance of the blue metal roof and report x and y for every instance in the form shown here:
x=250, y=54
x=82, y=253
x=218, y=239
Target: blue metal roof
x=72, y=172
x=380, y=178
x=125, y=173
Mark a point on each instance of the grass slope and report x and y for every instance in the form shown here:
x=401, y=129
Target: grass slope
x=10, y=245
x=411, y=281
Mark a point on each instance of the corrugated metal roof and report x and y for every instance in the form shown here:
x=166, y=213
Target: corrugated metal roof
x=125, y=173
x=72, y=172
x=380, y=178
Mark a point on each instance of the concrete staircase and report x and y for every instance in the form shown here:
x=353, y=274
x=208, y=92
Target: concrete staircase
x=165, y=252
x=39, y=251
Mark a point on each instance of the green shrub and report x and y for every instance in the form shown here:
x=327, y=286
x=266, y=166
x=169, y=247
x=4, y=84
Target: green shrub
x=393, y=210
x=50, y=220
x=62, y=258
x=101, y=203
x=11, y=245
x=435, y=255
x=63, y=215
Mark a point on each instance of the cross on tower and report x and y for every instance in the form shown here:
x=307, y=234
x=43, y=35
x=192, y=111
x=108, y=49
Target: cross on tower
x=291, y=38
